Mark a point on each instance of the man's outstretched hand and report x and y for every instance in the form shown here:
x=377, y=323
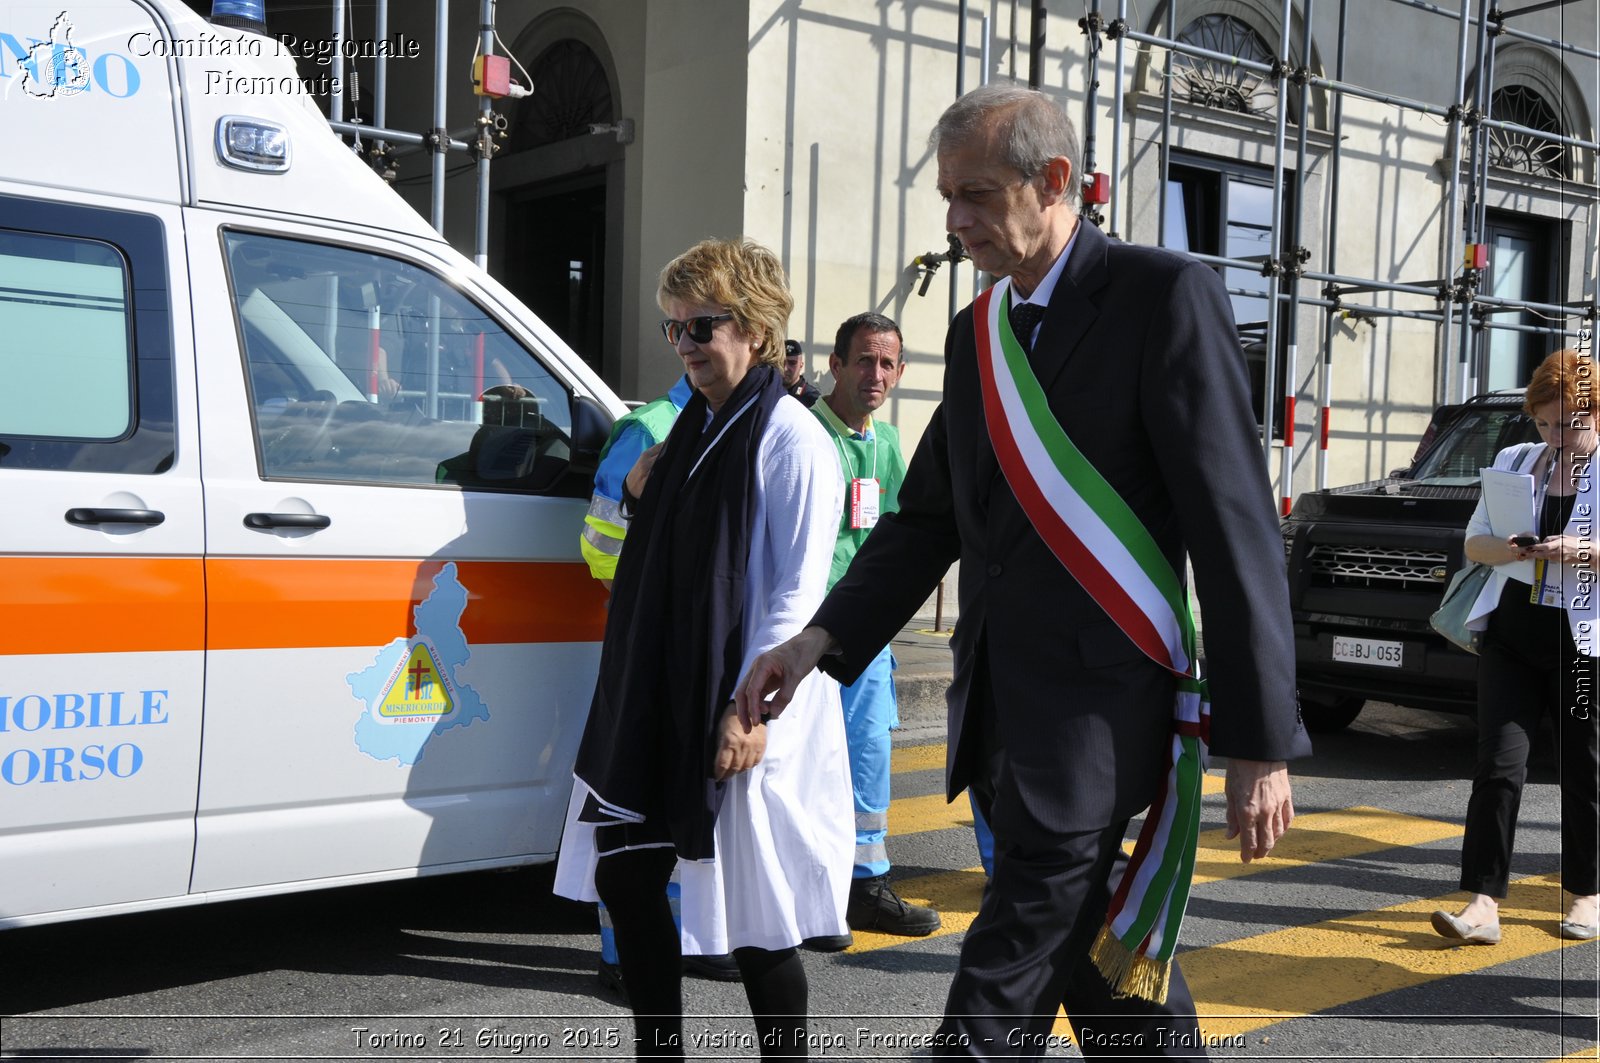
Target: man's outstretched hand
x=1260, y=805
x=778, y=672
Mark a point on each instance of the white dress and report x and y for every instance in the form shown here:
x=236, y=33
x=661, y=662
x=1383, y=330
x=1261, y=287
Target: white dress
x=785, y=836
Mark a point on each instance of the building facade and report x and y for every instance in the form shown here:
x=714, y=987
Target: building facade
x=803, y=124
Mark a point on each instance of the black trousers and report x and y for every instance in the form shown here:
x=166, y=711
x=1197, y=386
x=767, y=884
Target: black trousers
x=1027, y=952
x=1514, y=697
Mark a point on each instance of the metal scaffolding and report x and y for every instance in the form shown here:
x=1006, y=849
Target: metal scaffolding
x=375, y=141
x=1464, y=313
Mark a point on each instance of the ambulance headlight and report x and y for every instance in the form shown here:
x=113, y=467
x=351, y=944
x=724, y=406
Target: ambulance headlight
x=252, y=144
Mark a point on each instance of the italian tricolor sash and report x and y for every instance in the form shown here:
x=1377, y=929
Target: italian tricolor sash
x=1103, y=544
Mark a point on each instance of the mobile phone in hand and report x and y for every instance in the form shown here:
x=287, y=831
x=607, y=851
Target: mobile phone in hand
x=1524, y=541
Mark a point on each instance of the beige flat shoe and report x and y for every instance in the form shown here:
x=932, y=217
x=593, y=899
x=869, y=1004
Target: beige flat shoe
x=1579, y=931
x=1451, y=927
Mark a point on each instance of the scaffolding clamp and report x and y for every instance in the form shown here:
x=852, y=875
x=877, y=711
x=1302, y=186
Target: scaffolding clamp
x=491, y=128
x=1279, y=70
x=1092, y=24
x=1300, y=76
x=1465, y=291
x=437, y=140
x=379, y=155
x=929, y=262
x=1116, y=28
x=1292, y=263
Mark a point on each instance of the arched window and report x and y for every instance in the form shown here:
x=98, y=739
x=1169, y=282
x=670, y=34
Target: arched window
x=1213, y=83
x=1523, y=152
x=570, y=92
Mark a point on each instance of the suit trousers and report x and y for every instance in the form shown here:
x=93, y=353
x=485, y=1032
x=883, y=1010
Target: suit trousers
x=1027, y=952
x=1514, y=697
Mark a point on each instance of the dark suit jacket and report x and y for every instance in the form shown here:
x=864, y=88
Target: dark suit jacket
x=1138, y=355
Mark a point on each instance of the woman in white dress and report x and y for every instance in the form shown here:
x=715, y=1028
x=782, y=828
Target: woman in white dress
x=727, y=555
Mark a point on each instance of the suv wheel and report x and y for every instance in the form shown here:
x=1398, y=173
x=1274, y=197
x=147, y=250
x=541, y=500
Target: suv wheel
x=1330, y=713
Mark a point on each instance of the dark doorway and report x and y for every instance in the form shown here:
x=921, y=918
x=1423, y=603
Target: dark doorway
x=555, y=257
x=1522, y=252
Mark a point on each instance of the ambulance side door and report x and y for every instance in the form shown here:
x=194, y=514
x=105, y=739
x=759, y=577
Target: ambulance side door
x=401, y=638
x=101, y=582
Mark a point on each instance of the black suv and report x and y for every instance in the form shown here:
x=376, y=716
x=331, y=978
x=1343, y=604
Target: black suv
x=1368, y=564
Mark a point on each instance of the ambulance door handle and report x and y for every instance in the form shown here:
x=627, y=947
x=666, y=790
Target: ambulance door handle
x=286, y=520
x=89, y=516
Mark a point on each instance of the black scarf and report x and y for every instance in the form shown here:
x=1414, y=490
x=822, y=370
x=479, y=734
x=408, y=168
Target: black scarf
x=674, y=638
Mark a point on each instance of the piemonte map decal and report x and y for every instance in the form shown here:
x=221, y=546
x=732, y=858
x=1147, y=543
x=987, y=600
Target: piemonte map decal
x=413, y=688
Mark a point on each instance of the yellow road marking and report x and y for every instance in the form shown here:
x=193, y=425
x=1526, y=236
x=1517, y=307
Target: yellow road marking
x=914, y=815
x=1315, y=837
x=1319, y=837
x=1305, y=970
x=1592, y=1052
x=917, y=758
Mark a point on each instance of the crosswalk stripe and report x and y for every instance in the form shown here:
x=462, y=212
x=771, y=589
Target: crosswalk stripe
x=916, y=758
x=1287, y=973
x=914, y=815
x=1305, y=970
x=1318, y=837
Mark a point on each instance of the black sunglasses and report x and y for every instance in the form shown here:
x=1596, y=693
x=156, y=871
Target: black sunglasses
x=698, y=328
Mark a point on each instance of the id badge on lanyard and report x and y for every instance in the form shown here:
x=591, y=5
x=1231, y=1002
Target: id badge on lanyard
x=1546, y=587
x=864, y=493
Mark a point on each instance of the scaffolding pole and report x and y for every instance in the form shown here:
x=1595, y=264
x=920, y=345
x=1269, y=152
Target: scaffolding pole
x=484, y=145
x=1509, y=31
x=1271, y=382
x=1114, y=205
x=1331, y=258
x=1452, y=215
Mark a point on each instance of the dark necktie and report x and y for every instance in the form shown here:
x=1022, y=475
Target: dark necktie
x=1025, y=317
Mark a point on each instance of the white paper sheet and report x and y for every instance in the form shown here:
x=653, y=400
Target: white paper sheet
x=1508, y=497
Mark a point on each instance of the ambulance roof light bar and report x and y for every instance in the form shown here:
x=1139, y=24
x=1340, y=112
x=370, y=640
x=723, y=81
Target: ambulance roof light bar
x=240, y=14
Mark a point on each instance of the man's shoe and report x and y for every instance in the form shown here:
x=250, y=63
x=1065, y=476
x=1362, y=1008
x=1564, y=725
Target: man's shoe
x=875, y=906
x=828, y=942
x=712, y=968
x=610, y=976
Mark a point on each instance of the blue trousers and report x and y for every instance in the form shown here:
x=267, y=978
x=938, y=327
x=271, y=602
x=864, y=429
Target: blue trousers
x=870, y=712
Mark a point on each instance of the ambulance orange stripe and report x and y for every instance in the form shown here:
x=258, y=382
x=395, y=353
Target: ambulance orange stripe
x=101, y=604
x=267, y=604
x=145, y=604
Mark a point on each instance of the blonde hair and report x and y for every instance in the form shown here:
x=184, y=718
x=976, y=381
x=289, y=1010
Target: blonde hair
x=1566, y=377
x=741, y=275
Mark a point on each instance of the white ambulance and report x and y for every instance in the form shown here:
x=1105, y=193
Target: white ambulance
x=289, y=586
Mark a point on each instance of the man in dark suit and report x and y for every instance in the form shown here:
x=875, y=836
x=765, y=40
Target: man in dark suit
x=1057, y=721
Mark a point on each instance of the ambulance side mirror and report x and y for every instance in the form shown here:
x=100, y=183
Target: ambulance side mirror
x=591, y=427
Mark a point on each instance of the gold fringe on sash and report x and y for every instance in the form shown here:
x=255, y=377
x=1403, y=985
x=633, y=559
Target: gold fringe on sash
x=1130, y=975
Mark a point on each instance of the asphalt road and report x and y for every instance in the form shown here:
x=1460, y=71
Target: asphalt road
x=1322, y=952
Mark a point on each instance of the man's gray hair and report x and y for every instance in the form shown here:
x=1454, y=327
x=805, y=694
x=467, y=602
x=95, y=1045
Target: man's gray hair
x=1032, y=129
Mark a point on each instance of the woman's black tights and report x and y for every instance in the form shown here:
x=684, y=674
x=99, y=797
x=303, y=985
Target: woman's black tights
x=633, y=885
x=775, y=985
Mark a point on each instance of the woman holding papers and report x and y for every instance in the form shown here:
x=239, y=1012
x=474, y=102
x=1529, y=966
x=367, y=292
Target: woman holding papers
x=1538, y=615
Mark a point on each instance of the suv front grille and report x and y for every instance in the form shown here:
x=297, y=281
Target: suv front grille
x=1377, y=567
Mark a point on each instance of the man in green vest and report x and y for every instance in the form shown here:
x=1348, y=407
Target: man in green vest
x=867, y=362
